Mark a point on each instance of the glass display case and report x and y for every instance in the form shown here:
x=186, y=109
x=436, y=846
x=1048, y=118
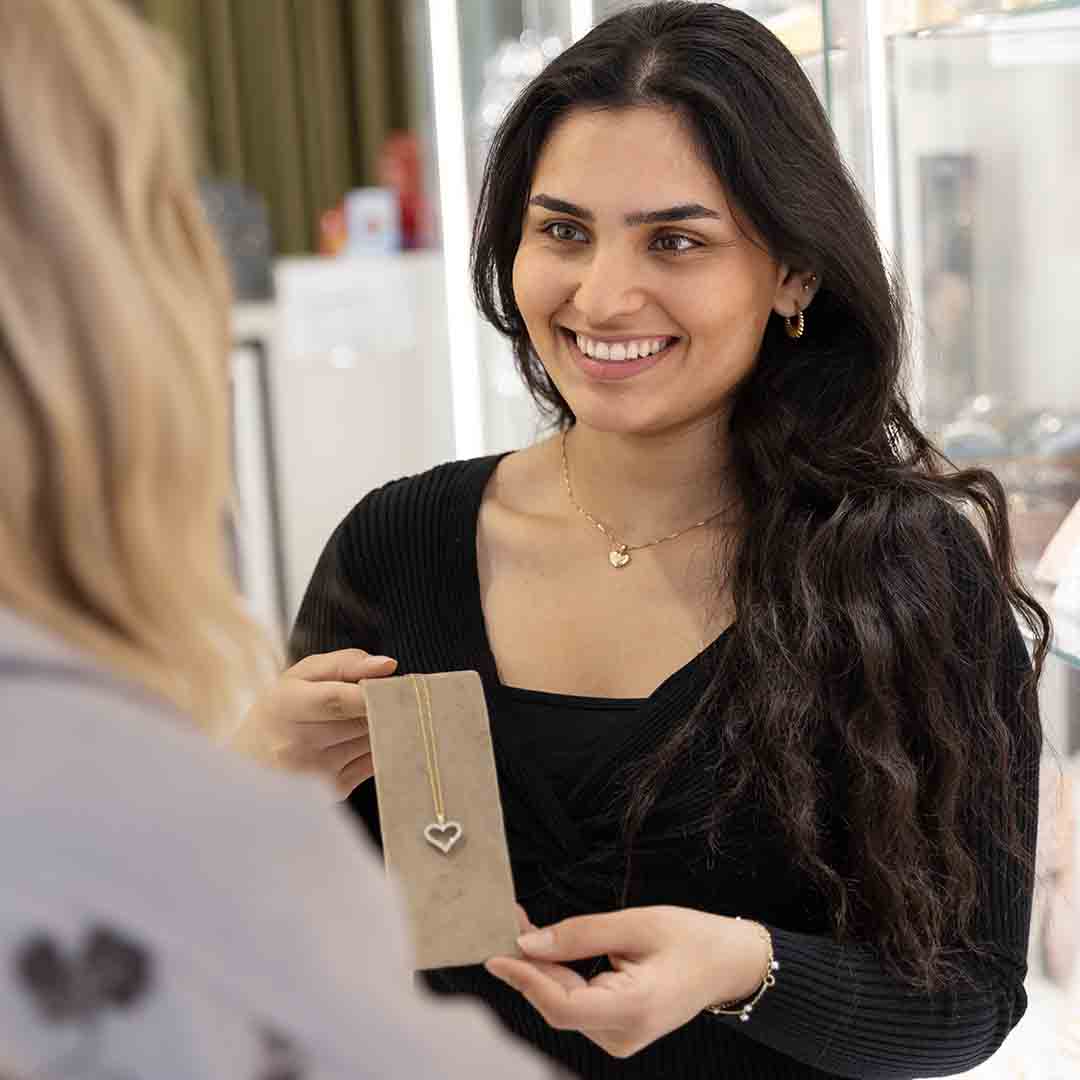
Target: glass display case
x=989, y=240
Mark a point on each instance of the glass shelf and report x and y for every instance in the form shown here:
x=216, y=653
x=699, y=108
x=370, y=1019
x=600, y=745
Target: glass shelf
x=1065, y=635
x=1066, y=640
x=959, y=18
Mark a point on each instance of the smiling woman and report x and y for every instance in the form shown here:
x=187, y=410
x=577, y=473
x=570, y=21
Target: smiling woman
x=795, y=736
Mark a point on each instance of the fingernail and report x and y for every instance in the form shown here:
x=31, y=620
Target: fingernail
x=537, y=941
x=380, y=659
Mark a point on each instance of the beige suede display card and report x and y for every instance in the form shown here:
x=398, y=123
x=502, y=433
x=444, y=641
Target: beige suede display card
x=460, y=903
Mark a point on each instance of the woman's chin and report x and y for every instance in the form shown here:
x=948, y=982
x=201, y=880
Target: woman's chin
x=620, y=418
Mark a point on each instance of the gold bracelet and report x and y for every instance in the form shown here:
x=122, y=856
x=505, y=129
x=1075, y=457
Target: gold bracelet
x=746, y=1006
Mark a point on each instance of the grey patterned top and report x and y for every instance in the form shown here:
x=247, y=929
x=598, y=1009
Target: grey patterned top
x=169, y=911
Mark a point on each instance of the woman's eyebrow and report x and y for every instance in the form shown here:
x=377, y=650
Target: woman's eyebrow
x=561, y=206
x=685, y=212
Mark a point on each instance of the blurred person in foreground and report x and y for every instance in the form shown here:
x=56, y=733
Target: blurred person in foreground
x=168, y=909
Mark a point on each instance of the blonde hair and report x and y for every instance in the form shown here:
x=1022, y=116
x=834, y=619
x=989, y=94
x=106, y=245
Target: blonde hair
x=114, y=344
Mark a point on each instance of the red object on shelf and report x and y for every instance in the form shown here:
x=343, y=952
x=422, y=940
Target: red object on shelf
x=399, y=168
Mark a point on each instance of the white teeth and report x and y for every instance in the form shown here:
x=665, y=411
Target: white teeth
x=621, y=351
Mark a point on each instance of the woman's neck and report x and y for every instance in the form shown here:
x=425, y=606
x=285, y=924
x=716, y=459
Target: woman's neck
x=642, y=486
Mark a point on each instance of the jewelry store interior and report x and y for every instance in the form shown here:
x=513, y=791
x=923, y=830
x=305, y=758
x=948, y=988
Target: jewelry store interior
x=342, y=148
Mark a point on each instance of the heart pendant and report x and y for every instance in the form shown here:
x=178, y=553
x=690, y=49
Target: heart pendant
x=618, y=557
x=451, y=831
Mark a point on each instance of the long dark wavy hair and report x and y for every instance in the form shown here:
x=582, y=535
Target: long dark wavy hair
x=847, y=577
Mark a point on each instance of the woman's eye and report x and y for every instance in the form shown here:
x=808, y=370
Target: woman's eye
x=563, y=230
x=675, y=243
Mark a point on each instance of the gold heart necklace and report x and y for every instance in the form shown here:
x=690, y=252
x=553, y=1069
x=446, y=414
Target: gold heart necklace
x=619, y=555
x=451, y=831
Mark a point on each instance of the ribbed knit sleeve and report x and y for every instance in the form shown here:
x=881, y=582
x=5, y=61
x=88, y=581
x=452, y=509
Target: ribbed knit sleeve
x=835, y=1008
x=397, y=574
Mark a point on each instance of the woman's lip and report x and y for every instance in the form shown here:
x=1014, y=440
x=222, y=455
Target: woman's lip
x=615, y=371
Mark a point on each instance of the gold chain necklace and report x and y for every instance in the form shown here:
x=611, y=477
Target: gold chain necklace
x=451, y=831
x=619, y=555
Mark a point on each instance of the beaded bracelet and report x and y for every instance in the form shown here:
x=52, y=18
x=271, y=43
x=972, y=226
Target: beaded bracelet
x=745, y=1006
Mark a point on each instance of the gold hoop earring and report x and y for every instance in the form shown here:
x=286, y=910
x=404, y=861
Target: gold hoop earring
x=795, y=325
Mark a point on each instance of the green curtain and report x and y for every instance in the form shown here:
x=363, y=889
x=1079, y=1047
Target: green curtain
x=294, y=96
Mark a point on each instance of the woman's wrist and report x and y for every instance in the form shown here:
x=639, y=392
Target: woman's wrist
x=748, y=953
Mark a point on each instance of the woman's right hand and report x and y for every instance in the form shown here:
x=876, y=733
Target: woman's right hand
x=314, y=718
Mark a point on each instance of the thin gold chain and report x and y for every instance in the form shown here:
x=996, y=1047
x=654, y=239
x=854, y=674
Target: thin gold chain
x=427, y=731
x=615, y=541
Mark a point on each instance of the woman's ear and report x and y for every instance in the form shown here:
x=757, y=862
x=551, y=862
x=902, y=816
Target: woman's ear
x=794, y=292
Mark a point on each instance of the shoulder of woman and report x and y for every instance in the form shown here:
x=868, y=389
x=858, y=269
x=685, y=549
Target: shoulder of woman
x=392, y=545
x=424, y=504
x=983, y=597
x=950, y=527
x=934, y=559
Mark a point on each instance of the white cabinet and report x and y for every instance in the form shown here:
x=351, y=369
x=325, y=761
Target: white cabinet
x=358, y=380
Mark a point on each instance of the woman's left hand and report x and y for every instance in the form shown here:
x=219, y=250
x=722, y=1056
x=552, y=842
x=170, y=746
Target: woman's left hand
x=669, y=964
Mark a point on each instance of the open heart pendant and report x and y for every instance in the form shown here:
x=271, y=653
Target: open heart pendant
x=619, y=556
x=451, y=832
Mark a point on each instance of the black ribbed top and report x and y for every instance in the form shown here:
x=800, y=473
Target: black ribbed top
x=561, y=733
x=399, y=577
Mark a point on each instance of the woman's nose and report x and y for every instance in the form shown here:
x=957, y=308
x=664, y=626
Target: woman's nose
x=610, y=288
